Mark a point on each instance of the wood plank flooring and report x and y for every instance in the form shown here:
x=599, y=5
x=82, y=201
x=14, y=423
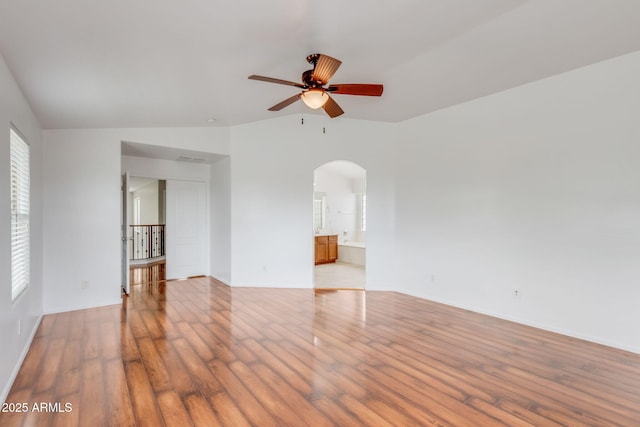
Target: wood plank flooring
x=153, y=273
x=197, y=352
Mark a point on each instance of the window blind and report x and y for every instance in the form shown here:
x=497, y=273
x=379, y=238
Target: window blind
x=20, y=210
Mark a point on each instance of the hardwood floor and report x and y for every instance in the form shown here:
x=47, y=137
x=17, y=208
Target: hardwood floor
x=142, y=274
x=196, y=352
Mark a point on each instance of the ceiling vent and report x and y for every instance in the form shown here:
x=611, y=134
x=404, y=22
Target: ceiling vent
x=191, y=159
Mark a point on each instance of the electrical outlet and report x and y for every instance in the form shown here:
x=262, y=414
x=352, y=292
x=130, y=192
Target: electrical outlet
x=85, y=284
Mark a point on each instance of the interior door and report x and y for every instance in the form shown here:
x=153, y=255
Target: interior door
x=186, y=229
x=125, y=235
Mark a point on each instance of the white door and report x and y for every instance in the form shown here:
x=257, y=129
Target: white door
x=186, y=229
x=125, y=235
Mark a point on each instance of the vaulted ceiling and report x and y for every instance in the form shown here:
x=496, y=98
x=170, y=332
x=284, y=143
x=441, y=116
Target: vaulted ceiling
x=150, y=63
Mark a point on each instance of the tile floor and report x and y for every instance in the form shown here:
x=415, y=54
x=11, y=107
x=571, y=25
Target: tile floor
x=339, y=275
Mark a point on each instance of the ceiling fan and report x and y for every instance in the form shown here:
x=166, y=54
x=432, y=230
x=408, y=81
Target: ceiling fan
x=316, y=88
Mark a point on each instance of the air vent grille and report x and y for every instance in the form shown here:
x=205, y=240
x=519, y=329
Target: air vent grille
x=191, y=159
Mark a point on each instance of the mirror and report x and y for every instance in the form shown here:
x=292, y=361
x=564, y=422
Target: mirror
x=319, y=211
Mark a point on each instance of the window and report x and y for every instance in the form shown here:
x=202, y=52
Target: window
x=20, y=195
x=136, y=211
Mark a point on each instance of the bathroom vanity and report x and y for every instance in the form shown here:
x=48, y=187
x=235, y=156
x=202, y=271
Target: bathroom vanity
x=326, y=248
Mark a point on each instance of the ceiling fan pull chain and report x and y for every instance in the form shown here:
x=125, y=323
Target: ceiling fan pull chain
x=301, y=119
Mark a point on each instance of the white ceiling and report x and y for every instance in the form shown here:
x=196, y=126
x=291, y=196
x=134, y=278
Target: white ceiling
x=149, y=63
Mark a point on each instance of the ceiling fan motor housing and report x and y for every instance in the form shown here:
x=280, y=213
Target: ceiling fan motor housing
x=313, y=59
x=307, y=79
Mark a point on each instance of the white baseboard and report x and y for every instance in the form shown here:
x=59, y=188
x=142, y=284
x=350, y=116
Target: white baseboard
x=55, y=310
x=220, y=280
x=537, y=325
x=16, y=368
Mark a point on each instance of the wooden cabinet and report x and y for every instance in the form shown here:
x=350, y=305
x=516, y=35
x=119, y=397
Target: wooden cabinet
x=322, y=249
x=326, y=249
x=333, y=248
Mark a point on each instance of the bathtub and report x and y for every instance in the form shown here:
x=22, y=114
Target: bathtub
x=352, y=252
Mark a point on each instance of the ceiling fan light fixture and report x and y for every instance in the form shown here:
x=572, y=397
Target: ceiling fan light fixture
x=314, y=98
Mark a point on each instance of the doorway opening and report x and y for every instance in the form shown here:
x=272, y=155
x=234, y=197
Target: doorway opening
x=184, y=202
x=339, y=225
x=146, y=222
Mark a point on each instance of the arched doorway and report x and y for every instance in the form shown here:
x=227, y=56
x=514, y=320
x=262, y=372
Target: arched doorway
x=339, y=225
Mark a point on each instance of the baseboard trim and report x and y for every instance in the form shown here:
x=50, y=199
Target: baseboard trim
x=327, y=290
x=56, y=310
x=221, y=281
x=533, y=324
x=23, y=355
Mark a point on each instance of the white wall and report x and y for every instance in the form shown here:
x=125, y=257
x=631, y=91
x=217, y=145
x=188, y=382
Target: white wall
x=359, y=188
x=536, y=188
x=165, y=169
x=149, y=199
x=208, y=139
x=272, y=164
x=27, y=309
x=220, y=198
x=82, y=220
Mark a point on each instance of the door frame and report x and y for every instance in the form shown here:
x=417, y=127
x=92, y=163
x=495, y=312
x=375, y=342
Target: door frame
x=327, y=166
x=125, y=235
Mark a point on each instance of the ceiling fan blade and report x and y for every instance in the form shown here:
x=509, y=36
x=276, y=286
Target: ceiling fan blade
x=356, y=89
x=278, y=81
x=332, y=108
x=279, y=106
x=326, y=67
